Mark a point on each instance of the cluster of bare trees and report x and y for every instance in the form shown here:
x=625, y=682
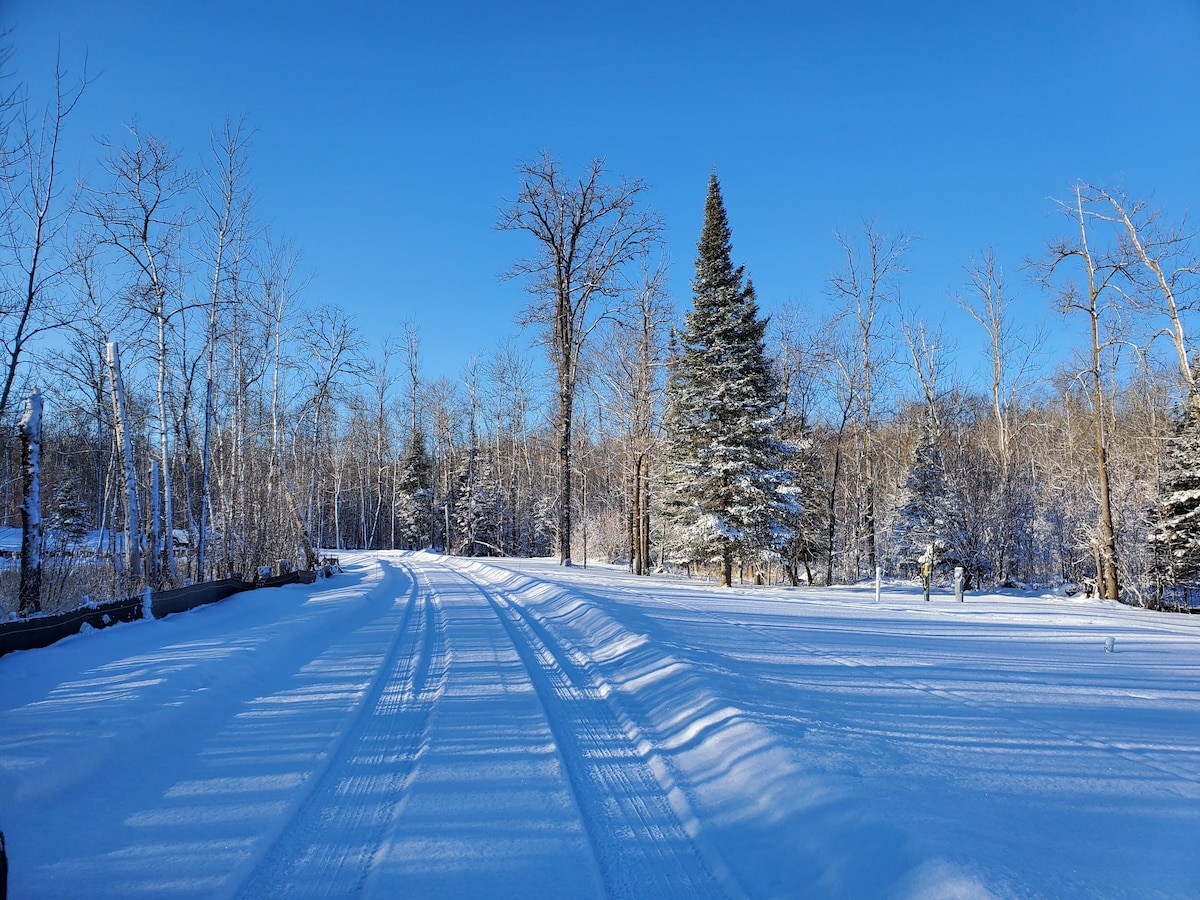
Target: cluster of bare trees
x=205, y=416
x=1028, y=477
x=168, y=339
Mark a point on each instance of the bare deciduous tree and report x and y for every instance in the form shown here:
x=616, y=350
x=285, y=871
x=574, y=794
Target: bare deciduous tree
x=803, y=358
x=333, y=347
x=1104, y=278
x=1165, y=267
x=586, y=230
x=631, y=366
x=511, y=378
x=1012, y=354
x=1012, y=357
x=277, y=279
x=139, y=216
x=865, y=287
x=927, y=353
x=382, y=380
x=226, y=199
x=33, y=216
x=838, y=380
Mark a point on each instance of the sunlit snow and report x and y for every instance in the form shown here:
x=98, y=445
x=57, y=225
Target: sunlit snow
x=430, y=727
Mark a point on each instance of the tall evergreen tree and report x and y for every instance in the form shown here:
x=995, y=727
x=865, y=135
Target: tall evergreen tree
x=724, y=492
x=416, y=496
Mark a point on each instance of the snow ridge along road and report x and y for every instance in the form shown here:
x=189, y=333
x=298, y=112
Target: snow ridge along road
x=646, y=837
x=433, y=727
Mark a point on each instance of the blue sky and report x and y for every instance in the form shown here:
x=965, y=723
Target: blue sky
x=388, y=133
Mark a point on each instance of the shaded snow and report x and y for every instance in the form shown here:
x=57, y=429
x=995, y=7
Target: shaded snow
x=431, y=727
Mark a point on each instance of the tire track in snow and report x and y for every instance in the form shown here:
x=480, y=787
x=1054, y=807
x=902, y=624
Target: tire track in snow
x=490, y=810
x=645, y=836
x=326, y=847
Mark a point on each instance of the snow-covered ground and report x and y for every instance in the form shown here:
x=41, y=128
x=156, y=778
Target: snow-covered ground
x=425, y=727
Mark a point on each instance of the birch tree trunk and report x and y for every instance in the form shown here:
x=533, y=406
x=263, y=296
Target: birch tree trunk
x=311, y=560
x=30, y=592
x=156, y=535
x=166, y=562
x=133, y=554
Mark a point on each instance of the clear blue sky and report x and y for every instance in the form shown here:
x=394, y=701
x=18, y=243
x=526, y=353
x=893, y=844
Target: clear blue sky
x=388, y=132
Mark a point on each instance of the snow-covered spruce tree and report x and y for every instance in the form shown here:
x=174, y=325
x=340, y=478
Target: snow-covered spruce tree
x=415, y=507
x=724, y=493
x=67, y=517
x=922, y=510
x=807, y=523
x=477, y=507
x=1176, y=534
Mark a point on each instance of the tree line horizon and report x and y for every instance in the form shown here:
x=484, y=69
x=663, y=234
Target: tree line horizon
x=812, y=446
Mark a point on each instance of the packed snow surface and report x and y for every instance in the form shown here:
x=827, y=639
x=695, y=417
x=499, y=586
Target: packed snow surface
x=431, y=727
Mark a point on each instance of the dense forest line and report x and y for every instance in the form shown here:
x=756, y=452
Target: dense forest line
x=203, y=418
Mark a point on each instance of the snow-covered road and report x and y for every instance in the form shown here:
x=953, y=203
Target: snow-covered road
x=430, y=727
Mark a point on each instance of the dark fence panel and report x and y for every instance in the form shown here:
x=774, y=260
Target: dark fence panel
x=182, y=599
x=293, y=578
x=29, y=634
x=42, y=631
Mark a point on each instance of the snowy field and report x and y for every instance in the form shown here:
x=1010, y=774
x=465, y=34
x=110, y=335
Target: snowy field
x=424, y=727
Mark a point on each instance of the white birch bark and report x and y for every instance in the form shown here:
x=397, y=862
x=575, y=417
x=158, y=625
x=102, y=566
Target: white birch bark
x=158, y=550
x=29, y=593
x=167, y=561
x=133, y=556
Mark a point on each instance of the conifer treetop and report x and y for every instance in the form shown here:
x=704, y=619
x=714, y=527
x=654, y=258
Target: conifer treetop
x=714, y=250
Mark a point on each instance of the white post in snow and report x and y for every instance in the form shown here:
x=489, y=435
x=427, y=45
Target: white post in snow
x=878, y=582
x=927, y=570
x=29, y=594
x=958, y=583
